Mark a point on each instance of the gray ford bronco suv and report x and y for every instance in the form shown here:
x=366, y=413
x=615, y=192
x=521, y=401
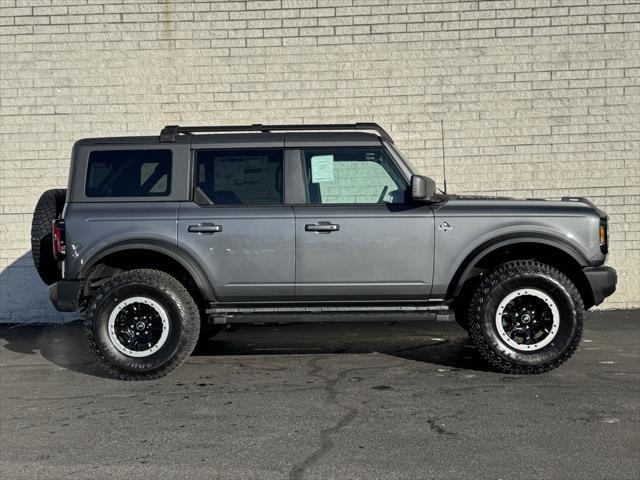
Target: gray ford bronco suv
x=160, y=239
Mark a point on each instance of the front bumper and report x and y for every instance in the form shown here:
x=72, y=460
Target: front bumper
x=65, y=294
x=602, y=281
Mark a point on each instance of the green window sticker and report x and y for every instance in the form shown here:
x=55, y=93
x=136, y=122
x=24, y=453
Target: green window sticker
x=321, y=168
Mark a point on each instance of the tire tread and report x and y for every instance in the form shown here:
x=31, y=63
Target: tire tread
x=163, y=281
x=48, y=208
x=493, y=280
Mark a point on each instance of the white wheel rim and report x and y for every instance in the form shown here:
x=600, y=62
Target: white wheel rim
x=154, y=347
x=551, y=334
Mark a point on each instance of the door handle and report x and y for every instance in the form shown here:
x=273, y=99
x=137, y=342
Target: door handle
x=322, y=227
x=208, y=228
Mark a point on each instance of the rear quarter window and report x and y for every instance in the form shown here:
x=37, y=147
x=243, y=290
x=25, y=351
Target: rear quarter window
x=129, y=173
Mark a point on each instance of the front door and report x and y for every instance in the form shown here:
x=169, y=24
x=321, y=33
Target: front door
x=359, y=238
x=238, y=228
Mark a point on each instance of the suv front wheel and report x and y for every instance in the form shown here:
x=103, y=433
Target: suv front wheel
x=526, y=317
x=142, y=324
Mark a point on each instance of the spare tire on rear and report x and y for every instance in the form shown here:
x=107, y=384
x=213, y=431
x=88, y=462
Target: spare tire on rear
x=48, y=209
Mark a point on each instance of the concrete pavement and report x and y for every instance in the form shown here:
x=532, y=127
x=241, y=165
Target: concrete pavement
x=364, y=401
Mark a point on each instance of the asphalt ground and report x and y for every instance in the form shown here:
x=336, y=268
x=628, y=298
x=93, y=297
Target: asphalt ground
x=350, y=401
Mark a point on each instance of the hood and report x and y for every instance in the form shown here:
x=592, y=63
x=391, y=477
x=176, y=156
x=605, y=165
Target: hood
x=478, y=197
x=564, y=202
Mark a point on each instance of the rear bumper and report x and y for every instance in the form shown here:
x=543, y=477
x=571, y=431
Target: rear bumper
x=602, y=281
x=64, y=295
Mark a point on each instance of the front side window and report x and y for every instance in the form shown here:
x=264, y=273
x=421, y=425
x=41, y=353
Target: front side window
x=239, y=177
x=129, y=173
x=353, y=175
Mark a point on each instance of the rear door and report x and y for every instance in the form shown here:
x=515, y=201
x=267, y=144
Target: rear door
x=359, y=238
x=237, y=226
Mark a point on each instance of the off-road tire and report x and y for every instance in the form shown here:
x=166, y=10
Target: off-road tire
x=496, y=286
x=48, y=209
x=182, y=311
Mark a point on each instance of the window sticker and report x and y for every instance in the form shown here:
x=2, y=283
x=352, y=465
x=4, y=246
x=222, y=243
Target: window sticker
x=321, y=168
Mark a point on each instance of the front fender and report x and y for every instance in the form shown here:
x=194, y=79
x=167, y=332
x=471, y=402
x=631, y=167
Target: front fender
x=466, y=264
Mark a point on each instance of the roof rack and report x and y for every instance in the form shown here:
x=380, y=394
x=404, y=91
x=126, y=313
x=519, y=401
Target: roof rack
x=169, y=133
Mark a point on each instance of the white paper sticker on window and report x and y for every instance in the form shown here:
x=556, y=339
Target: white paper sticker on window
x=321, y=168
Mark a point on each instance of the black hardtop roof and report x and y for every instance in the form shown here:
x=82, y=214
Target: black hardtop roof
x=171, y=132
x=256, y=136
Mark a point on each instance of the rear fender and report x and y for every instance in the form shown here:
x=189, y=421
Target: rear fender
x=158, y=246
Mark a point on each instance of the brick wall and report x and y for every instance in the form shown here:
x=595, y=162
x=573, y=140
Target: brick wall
x=538, y=97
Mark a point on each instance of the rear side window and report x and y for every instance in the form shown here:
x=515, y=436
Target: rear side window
x=129, y=173
x=239, y=177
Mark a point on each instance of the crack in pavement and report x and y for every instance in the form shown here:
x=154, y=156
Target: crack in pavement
x=440, y=429
x=326, y=442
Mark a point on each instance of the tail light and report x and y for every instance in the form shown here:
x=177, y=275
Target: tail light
x=58, y=234
x=604, y=236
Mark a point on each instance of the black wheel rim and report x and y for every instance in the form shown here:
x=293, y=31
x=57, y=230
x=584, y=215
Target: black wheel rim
x=527, y=319
x=138, y=326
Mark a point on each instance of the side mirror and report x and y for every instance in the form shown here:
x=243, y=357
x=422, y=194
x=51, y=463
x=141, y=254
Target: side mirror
x=423, y=189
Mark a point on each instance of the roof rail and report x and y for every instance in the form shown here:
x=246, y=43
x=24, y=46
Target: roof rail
x=169, y=133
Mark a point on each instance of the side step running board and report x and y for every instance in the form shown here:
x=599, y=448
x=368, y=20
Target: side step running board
x=339, y=313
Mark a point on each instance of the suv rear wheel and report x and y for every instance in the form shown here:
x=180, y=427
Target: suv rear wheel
x=526, y=317
x=142, y=324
